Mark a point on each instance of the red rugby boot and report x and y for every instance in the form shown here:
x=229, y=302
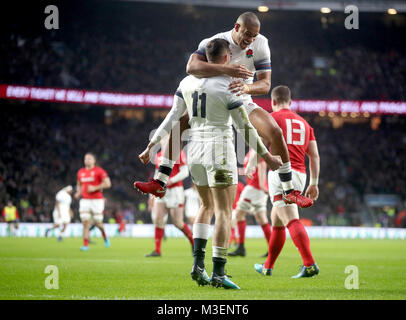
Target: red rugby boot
x=152, y=186
x=296, y=197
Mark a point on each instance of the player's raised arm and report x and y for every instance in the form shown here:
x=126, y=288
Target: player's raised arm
x=312, y=152
x=244, y=127
x=199, y=67
x=177, y=110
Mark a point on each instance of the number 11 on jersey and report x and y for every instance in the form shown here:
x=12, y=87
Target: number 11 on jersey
x=196, y=97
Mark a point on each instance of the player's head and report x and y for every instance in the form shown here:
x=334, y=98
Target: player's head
x=9, y=203
x=280, y=98
x=246, y=29
x=90, y=160
x=218, y=51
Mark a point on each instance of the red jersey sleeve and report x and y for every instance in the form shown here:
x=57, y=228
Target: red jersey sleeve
x=102, y=174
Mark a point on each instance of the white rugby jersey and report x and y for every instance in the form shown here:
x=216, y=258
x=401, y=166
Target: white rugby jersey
x=64, y=199
x=256, y=57
x=208, y=103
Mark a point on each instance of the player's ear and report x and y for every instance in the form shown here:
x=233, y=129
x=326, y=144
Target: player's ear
x=237, y=27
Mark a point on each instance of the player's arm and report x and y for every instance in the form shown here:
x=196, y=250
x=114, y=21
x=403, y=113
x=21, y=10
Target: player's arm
x=251, y=164
x=181, y=175
x=257, y=88
x=105, y=184
x=250, y=134
x=58, y=208
x=177, y=110
x=71, y=213
x=78, y=189
x=199, y=67
x=262, y=176
x=312, y=152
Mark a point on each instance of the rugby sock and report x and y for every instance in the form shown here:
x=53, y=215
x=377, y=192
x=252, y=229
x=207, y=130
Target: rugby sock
x=186, y=231
x=285, y=174
x=232, y=236
x=241, y=231
x=159, y=233
x=86, y=242
x=164, y=171
x=276, y=243
x=266, y=228
x=219, y=260
x=301, y=240
x=200, y=236
x=103, y=234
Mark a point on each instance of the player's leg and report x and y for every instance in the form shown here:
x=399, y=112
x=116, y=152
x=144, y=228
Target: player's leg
x=233, y=237
x=85, y=216
x=170, y=154
x=276, y=242
x=268, y=128
x=241, y=226
x=201, y=230
x=47, y=231
x=262, y=220
x=223, y=198
x=159, y=212
x=177, y=220
x=62, y=234
x=97, y=207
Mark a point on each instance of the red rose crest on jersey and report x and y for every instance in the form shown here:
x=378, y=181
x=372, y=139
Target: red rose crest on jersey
x=249, y=53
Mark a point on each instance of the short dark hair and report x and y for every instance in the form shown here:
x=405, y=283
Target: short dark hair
x=216, y=48
x=281, y=94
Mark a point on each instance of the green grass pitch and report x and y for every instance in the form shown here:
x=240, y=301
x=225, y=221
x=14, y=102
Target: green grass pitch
x=122, y=271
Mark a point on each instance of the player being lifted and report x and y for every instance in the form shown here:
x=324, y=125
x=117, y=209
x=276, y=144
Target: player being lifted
x=173, y=200
x=62, y=213
x=253, y=200
x=91, y=181
x=250, y=54
x=211, y=158
x=301, y=141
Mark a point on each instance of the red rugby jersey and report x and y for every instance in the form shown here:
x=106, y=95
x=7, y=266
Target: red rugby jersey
x=297, y=133
x=92, y=177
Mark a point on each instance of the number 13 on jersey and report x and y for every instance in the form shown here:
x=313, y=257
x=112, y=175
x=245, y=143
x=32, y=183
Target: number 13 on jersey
x=289, y=132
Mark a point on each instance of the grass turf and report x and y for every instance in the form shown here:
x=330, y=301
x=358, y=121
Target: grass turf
x=122, y=271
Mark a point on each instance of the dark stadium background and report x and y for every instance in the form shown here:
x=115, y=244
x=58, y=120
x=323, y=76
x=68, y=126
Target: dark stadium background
x=139, y=47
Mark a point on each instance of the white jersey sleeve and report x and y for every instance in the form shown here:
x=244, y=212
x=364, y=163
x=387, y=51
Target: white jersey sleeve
x=262, y=55
x=177, y=110
x=201, y=49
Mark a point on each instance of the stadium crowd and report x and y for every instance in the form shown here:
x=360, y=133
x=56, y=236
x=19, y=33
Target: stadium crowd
x=44, y=148
x=93, y=52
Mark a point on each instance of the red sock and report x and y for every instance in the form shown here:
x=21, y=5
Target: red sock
x=159, y=234
x=301, y=240
x=86, y=242
x=103, y=234
x=241, y=231
x=266, y=228
x=276, y=243
x=232, y=236
x=187, y=233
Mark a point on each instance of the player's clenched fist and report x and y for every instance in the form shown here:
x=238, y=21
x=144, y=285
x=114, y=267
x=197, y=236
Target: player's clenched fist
x=238, y=71
x=145, y=156
x=312, y=192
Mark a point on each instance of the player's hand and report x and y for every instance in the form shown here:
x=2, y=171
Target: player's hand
x=238, y=87
x=77, y=195
x=238, y=71
x=91, y=189
x=312, y=192
x=145, y=156
x=273, y=162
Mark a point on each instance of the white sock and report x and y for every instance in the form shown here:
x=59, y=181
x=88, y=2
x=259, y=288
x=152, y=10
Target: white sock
x=285, y=174
x=201, y=231
x=219, y=252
